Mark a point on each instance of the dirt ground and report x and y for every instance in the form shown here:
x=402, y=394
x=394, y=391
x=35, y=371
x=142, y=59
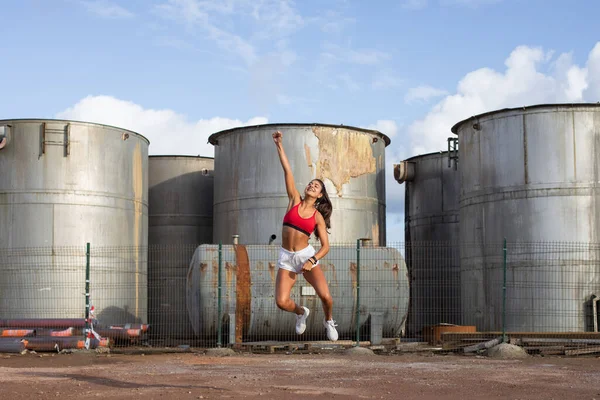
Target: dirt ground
x=295, y=376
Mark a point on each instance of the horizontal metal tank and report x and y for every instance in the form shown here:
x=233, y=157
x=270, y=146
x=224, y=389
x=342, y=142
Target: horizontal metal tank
x=248, y=276
x=62, y=184
x=250, y=195
x=180, y=219
x=530, y=175
x=432, y=188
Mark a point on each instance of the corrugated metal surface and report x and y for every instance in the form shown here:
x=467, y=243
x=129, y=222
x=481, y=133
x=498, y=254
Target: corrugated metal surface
x=180, y=218
x=248, y=292
x=250, y=195
x=431, y=235
x=529, y=174
x=65, y=183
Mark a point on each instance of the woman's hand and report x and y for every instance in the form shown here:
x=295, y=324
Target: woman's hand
x=307, y=266
x=277, y=137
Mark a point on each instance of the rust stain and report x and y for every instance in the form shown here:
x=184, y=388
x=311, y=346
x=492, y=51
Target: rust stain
x=243, y=298
x=203, y=267
x=395, y=271
x=353, y=274
x=333, y=275
x=343, y=154
x=309, y=159
x=215, y=274
x=228, y=274
x=272, y=271
x=375, y=234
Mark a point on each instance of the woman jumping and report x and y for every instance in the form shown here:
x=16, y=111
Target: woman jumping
x=303, y=216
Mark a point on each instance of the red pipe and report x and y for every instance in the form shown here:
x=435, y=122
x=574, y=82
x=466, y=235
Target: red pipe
x=48, y=343
x=16, y=332
x=52, y=332
x=119, y=333
x=43, y=323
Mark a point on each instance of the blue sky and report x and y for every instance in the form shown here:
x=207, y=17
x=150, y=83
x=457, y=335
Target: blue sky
x=189, y=67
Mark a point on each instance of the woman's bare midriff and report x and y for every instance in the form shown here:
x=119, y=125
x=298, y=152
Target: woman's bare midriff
x=293, y=240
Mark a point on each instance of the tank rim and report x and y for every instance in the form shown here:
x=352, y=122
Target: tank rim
x=212, y=138
x=73, y=121
x=426, y=155
x=456, y=126
x=179, y=156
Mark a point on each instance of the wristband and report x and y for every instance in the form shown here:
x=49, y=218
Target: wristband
x=313, y=260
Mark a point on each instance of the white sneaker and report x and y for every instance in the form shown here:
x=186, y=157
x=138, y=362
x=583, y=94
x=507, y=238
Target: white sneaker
x=301, y=321
x=332, y=333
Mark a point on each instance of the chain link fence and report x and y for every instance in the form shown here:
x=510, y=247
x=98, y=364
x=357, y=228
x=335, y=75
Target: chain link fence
x=451, y=296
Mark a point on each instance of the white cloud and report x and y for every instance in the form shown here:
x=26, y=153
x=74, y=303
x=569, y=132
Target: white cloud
x=335, y=24
x=168, y=131
x=270, y=20
x=386, y=126
x=195, y=13
x=349, y=82
x=386, y=80
x=423, y=93
x=106, y=9
x=414, y=4
x=334, y=53
x=523, y=82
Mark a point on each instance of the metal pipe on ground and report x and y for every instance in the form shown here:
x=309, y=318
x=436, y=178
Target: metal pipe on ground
x=43, y=323
x=12, y=346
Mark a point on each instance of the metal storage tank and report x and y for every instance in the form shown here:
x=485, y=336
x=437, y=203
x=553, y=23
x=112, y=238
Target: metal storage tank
x=431, y=239
x=250, y=196
x=180, y=219
x=530, y=175
x=248, y=275
x=62, y=184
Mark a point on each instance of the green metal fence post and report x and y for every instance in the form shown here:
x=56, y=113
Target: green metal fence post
x=357, y=292
x=220, y=317
x=87, y=289
x=504, y=296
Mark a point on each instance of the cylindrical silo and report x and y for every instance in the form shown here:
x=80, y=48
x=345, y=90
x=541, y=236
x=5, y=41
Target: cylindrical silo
x=431, y=194
x=180, y=219
x=248, y=276
x=250, y=194
x=530, y=175
x=63, y=184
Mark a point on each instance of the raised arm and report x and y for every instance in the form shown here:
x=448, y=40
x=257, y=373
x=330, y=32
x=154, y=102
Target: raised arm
x=290, y=186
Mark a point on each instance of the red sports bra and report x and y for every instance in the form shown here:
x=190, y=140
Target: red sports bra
x=294, y=220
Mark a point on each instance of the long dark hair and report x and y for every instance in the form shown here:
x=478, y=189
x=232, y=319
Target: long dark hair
x=324, y=206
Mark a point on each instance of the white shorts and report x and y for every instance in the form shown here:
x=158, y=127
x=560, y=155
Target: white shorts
x=294, y=260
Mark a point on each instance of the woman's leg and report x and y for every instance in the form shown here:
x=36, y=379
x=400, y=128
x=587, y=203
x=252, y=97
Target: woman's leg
x=283, y=287
x=316, y=278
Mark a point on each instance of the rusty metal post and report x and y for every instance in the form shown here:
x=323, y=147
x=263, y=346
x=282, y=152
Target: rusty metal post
x=357, y=292
x=87, y=289
x=220, y=316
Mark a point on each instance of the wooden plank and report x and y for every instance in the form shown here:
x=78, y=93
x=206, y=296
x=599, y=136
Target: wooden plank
x=588, y=350
x=490, y=335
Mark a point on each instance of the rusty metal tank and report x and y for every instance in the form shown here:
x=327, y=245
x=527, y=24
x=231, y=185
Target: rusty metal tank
x=180, y=219
x=250, y=195
x=432, y=188
x=248, y=275
x=530, y=175
x=62, y=184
